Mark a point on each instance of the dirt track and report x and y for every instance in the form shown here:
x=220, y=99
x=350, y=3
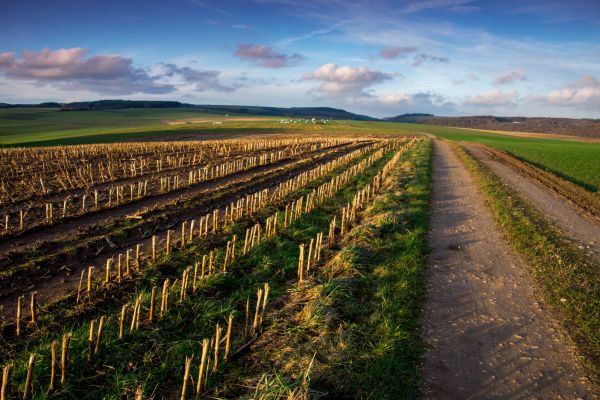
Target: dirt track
x=583, y=230
x=487, y=335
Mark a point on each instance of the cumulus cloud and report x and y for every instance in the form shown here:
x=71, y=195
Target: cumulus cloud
x=395, y=98
x=200, y=80
x=265, y=56
x=71, y=69
x=493, y=98
x=510, y=76
x=584, y=93
x=394, y=52
x=427, y=58
x=345, y=80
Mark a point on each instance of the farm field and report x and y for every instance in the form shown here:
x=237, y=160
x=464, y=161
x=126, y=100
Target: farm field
x=297, y=200
x=241, y=260
x=113, y=297
x=578, y=162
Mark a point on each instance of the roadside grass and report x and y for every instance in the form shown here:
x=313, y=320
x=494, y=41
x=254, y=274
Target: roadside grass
x=353, y=332
x=152, y=358
x=568, y=278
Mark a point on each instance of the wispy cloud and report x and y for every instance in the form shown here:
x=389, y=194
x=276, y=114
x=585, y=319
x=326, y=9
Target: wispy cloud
x=510, y=76
x=460, y=6
x=424, y=58
x=209, y=7
x=265, y=56
x=493, y=98
x=462, y=81
x=557, y=11
x=310, y=35
x=243, y=27
x=394, y=52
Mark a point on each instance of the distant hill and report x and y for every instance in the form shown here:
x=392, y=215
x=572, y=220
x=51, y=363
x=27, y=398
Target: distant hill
x=408, y=118
x=40, y=105
x=565, y=126
x=293, y=112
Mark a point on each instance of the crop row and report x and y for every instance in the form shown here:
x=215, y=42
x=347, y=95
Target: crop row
x=79, y=346
x=31, y=173
x=207, y=225
x=19, y=218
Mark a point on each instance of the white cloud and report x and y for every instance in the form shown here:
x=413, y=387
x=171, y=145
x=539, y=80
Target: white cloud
x=345, y=80
x=583, y=93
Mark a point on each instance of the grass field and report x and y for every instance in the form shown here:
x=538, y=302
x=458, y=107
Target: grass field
x=578, y=162
x=41, y=127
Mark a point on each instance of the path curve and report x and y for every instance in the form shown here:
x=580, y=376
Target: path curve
x=583, y=230
x=487, y=335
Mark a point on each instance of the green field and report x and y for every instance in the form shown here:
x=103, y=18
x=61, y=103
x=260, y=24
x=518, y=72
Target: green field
x=577, y=162
x=51, y=126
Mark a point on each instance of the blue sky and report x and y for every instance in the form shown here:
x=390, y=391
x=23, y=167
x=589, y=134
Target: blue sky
x=378, y=57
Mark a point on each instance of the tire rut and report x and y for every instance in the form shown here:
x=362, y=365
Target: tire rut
x=584, y=231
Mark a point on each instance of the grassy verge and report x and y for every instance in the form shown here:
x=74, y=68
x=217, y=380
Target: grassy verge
x=568, y=278
x=354, y=331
